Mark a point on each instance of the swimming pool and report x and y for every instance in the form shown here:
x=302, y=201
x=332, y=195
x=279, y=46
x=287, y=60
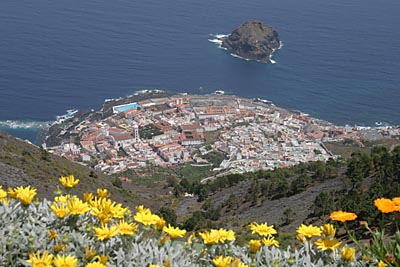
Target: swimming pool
x=122, y=108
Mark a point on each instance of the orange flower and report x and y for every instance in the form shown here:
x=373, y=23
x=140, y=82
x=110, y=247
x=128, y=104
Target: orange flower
x=343, y=216
x=384, y=205
x=396, y=202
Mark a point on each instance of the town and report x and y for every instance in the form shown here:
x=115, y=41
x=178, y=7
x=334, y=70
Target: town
x=250, y=134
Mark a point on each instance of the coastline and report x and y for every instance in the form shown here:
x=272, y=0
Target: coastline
x=39, y=132
x=218, y=41
x=164, y=129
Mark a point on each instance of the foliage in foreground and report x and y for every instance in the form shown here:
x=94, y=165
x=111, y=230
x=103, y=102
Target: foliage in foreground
x=97, y=232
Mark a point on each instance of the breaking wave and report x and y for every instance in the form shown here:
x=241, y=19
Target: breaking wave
x=217, y=39
x=23, y=124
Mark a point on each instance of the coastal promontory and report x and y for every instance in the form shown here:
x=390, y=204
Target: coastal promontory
x=253, y=40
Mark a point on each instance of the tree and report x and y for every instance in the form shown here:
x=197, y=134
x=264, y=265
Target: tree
x=168, y=215
x=203, y=194
x=117, y=182
x=323, y=204
x=300, y=184
x=196, y=222
x=288, y=216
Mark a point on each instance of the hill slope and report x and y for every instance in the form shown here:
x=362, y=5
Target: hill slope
x=23, y=164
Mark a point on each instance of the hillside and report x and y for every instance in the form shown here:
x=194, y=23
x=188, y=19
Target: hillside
x=24, y=164
x=305, y=193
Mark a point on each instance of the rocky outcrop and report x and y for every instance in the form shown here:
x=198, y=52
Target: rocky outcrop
x=253, y=40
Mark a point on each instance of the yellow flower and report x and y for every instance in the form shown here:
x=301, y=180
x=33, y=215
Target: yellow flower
x=106, y=209
x=381, y=264
x=3, y=193
x=59, y=247
x=328, y=230
x=89, y=253
x=26, y=195
x=238, y=263
x=343, y=216
x=65, y=261
x=141, y=208
x=102, y=209
x=125, y=228
x=77, y=206
x=13, y=192
x=348, y=254
x=60, y=209
x=52, y=234
x=154, y=265
x=308, y=231
x=301, y=237
x=68, y=181
x=174, y=232
x=210, y=238
x=270, y=241
x=221, y=261
x=102, y=193
x=146, y=218
x=160, y=224
x=225, y=235
x=88, y=197
x=37, y=261
x=327, y=244
x=95, y=264
x=102, y=259
x=254, y=245
x=62, y=199
x=384, y=205
x=262, y=229
x=3, y=196
x=105, y=233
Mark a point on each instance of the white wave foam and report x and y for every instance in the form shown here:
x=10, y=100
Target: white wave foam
x=234, y=55
x=217, y=41
x=220, y=36
x=61, y=118
x=18, y=124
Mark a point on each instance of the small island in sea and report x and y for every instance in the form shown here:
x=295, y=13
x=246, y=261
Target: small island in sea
x=252, y=40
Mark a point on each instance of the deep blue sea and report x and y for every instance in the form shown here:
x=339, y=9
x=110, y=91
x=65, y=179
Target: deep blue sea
x=340, y=59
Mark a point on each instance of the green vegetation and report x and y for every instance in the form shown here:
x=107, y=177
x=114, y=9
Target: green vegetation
x=347, y=147
x=349, y=184
x=272, y=184
x=214, y=157
x=88, y=226
x=367, y=176
x=148, y=131
x=22, y=164
x=153, y=175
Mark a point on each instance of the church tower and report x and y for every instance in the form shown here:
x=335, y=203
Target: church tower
x=136, y=135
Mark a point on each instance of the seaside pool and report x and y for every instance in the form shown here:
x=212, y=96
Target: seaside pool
x=123, y=108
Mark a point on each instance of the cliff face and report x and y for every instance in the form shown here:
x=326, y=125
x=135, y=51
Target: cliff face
x=253, y=40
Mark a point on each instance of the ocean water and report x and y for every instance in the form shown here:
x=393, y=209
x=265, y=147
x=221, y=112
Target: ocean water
x=340, y=59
